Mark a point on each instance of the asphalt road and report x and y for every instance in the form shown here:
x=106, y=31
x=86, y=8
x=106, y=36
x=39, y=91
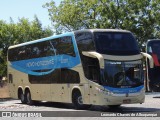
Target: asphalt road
x=149, y=109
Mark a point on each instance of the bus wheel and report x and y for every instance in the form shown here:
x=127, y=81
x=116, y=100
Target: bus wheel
x=77, y=100
x=21, y=96
x=28, y=98
x=23, y=99
x=155, y=89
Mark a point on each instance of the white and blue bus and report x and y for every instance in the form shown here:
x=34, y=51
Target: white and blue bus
x=85, y=67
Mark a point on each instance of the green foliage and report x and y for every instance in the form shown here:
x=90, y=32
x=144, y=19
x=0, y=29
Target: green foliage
x=15, y=33
x=139, y=16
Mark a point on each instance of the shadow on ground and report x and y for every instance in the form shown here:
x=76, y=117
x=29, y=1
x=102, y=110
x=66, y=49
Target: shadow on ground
x=121, y=109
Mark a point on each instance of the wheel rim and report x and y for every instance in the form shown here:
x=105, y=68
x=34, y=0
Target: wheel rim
x=28, y=97
x=80, y=100
x=22, y=97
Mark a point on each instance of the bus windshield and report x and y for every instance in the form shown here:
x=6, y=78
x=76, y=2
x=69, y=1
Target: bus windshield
x=116, y=43
x=123, y=74
x=154, y=48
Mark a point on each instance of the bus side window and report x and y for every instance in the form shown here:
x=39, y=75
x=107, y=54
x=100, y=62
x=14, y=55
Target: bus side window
x=91, y=68
x=85, y=42
x=69, y=76
x=63, y=45
x=10, y=78
x=67, y=46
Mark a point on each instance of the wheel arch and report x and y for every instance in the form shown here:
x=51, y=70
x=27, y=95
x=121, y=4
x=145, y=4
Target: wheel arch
x=27, y=88
x=74, y=90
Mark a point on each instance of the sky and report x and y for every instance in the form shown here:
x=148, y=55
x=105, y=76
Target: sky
x=25, y=8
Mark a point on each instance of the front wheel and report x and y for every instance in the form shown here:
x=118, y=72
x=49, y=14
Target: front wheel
x=153, y=88
x=77, y=100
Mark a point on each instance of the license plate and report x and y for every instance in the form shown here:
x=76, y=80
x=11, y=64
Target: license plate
x=126, y=101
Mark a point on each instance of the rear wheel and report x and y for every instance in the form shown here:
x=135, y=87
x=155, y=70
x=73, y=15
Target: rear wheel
x=22, y=98
x=28, y=98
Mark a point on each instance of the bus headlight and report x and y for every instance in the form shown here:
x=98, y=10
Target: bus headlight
x=104, y=91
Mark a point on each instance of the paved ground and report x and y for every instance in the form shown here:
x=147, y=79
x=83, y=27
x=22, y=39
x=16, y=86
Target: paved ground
x=152, y=103
x=151, y=107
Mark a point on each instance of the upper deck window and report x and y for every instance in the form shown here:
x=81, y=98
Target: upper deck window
x=116, y=43
x=58, y=46
x=85, y=41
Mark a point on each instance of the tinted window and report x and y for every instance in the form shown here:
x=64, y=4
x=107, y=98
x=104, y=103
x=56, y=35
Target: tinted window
x=57, y=76
x=10, y=78
x=53, y=77
x=85, y=41
x=116, y=43
x=123, y=74
x=63, y=45
x=69, y=76
x=53, y=47
x=91, y=68
x=153, y=47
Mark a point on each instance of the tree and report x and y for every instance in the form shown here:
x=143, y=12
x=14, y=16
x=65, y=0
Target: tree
x=140, y=17
x=15, y=33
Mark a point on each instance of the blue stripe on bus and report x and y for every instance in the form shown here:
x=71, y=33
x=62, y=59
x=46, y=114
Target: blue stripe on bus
x=51, y=63
x=31, y=72
x=124, y=90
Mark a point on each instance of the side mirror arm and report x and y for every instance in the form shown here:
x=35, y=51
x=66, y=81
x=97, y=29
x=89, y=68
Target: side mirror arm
x=151, y=62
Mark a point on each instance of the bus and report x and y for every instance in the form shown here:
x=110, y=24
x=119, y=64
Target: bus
x=153, y=74
x=83, y=67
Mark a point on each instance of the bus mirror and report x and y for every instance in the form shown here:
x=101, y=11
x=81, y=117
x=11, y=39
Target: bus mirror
x=95, y=55
x=151, y=62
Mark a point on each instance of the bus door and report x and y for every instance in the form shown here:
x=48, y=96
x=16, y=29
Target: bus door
x=153, y=48
x=92, y=73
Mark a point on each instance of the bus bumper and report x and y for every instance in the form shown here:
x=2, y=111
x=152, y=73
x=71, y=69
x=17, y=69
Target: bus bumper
x=118, y=100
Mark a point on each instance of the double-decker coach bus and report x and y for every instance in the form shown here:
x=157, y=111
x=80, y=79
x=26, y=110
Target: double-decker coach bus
x=85, y=67
x=153, y=74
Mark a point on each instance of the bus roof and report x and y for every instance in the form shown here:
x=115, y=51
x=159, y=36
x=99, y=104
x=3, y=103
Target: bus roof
x=68, y=34
x=102, y=30
x=153, y=40
x=42, y=39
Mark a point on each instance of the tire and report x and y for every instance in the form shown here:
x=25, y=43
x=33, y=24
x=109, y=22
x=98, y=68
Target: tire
x=153, y=88
x=28, y=98
x=77, y=100
x=23, y=98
